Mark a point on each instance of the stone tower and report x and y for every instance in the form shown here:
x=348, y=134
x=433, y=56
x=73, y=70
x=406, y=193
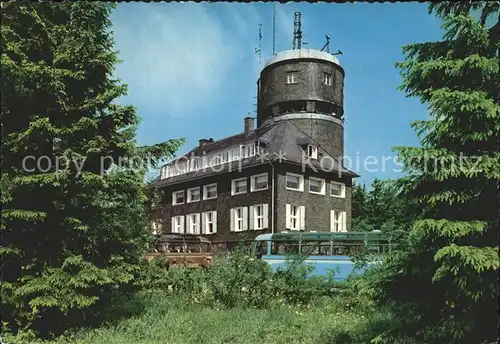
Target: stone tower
x=305, y=86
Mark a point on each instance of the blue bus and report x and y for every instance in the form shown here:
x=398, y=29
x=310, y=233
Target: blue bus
x=325, y=252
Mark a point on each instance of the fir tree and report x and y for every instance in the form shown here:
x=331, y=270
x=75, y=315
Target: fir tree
x=74, y=232
x=444, y=284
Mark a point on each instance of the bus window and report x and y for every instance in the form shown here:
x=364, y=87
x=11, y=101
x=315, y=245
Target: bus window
x=261, y=248
x=339, y=248
x=324, y=248
x=310, y=248
x=284, y=247
x=274, y=248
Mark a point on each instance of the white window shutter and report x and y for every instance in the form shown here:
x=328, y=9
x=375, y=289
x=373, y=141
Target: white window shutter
x=203, y=223
x=252, y=183
x=245, y=218
x=288, y=213
x=332, y=220
x=344, y=227
x=173, y=225
x=302, y=214
x=198, y=223
x=252, y=217
x=266, y=215
x=182, y=225
x=232, y=220
x=214, y=219
x=188, y=223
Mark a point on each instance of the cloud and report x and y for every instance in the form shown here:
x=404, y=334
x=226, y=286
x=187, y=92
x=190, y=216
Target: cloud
x=177, y=56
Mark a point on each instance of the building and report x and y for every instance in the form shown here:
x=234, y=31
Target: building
x=282, y=174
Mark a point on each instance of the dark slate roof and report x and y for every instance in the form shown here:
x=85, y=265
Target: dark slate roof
x=281, y=137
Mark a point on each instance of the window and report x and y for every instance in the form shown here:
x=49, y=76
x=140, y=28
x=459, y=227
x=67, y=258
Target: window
x=193, y=195
x=295, y=217
x=259, y=216
x=239, y=219
x=327, y=79
x=294, y=182
x=291, y=78
x=178, y=224
x=337, y=221
x=178, y=197
x=312, y=152
x=337, y=189
x=238, y=186
x=250, y=150
x=164, y=172
x=317, y=186
x=193, y=224
x=258, y=182
x=209, y=222
x=210, y=191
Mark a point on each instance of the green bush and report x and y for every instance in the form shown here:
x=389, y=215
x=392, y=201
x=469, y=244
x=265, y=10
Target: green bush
x=237, y=280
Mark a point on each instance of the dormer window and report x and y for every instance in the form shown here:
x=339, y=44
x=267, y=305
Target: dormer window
x=312, y=151
x=291, y=78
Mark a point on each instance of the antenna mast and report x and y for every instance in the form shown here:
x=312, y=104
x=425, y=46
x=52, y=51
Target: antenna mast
x=274, y=29
x=327, y=44
x=297, y=32
x=259, y=49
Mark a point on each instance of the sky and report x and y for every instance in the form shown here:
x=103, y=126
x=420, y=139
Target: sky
x=191, y=69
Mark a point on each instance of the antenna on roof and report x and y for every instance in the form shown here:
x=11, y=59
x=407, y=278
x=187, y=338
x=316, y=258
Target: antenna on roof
x=327, y=44
x=338, y=53
x=259, y=49
x=297, y=32
x=274, y=29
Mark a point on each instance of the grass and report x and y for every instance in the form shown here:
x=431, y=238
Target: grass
x=170, y=319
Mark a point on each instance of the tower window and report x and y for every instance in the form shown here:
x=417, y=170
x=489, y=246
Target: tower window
x=291, y=78
x=327, y=79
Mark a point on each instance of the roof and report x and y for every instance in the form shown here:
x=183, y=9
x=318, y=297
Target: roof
x=302, y=54
x=284, y=145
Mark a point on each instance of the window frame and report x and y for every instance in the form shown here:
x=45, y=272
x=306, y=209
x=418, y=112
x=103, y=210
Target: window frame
x=179, y=224
x=291, y=78
x=327, y=79
x=312, y=151
x=295, y=216
x=341, y=222
x=233, y=186
x=253, y=179
x=205, y=222
x=190, y=223
x=301, y=181
x=205, y=191
x=174, y=199
x=236, y=220
x=323, y=186
x=189, y=199
x=342, y=189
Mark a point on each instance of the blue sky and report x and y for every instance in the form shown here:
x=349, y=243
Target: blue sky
x=192, y=71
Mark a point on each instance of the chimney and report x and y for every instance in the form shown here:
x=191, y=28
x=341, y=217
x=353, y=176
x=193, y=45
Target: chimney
x=203, y=142
x=248, y=124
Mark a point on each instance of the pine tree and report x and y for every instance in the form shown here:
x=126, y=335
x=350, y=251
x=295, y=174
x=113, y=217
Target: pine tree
x=444, y=284
x=74, y=232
